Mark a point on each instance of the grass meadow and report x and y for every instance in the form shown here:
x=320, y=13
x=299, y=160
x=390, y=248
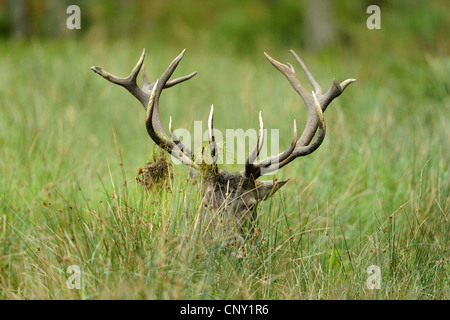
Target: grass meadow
x=377, y=192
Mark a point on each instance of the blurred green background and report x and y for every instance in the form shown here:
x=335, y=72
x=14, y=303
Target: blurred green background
x=404, y=64
x=242, y=26
x=71, y=145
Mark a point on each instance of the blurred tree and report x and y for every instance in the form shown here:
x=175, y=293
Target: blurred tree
x=20, y=18
x=26, y=18
x=244, y=26
x=319, y=20
x=53, y=22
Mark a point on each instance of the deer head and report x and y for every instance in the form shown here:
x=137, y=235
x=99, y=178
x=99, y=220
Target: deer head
x=233, y=196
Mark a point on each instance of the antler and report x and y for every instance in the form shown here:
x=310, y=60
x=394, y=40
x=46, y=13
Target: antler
x=315, y=103
x=149, y=96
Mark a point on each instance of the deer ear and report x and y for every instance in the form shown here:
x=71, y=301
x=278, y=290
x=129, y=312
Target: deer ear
x=266, y=189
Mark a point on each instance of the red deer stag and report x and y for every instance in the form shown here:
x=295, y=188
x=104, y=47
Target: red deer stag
x=233, y=196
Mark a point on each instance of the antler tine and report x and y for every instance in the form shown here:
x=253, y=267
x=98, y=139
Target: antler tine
x=134, y=73
x=179, y=80
x=289, y=73
x=172, y=135
x=170, y=69
x=129, y=82
x=335, y=91
x=147, y=85
x=308, y=74
x=250, y=168
x=212, y=139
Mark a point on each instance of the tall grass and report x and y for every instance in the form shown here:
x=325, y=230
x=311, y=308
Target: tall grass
x=377, y=192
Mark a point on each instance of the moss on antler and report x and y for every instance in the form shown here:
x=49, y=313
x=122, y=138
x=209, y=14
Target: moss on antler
x=156, y=173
